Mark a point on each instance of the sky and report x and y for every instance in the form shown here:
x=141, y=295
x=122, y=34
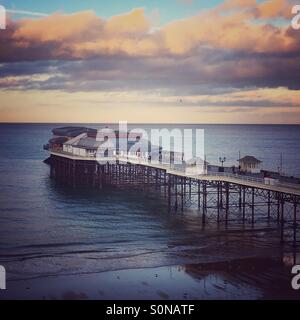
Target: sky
x=179, y=61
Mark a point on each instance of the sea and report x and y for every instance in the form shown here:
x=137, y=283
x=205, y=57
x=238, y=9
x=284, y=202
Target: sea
x=49, y=231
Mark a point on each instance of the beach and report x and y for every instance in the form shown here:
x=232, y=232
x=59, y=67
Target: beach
x=245, y=279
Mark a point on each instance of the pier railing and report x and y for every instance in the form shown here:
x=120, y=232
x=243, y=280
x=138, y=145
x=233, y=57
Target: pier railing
x=183, y=169
x=236, y=176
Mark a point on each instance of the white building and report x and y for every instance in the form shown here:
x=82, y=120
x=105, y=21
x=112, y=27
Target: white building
x=85, y=146
x=82, y=146
x=250, y=164
x=109, y=144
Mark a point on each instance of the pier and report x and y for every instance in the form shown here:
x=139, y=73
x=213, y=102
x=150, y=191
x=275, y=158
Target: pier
x=222, y=199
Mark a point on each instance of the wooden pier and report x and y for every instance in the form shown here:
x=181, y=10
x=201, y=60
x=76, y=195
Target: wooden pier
x=220, y=199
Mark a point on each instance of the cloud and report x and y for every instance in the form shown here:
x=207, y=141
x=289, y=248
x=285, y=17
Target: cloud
x=234, y=25
x=265, y=10
x=29, y=13
x=77, y=36
x=231, y=46
x=275, y=8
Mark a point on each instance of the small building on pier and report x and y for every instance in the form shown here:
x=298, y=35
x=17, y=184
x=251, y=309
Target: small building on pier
x=250, y=164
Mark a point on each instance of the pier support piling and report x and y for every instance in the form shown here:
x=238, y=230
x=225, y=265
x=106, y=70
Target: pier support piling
x=216, y=200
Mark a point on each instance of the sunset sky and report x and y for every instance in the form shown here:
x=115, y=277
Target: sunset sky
x=185, y=61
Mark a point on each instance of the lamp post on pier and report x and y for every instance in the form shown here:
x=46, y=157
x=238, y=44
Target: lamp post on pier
x=222, y=160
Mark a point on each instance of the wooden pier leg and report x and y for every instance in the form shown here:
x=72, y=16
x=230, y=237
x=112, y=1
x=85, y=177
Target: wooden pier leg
x=169, y=193
x=67, y=170
x=176, y=194
x=61, y=175
x=204, y=203
x=96, y=181
x=117, y=173
x=121, y=174
x=85, y=174
x=94, y=175
x=190, y=188
x=106, y=172
x=117, y=168
x=278, y=207
x=61, y=166
x=51, y=168
x=56, y=169
x=244, y=204
x=183, y=184
x=113, y=170
x=199, y=195
x=252, y=208
x=227, y=203
x=269, y=206
x=240, y=197
x=70, y=172
x=221, y=195
x=282, y=221
x=144, y=175
x=74, y=174
x=124, y=174
x=295, y=225
x=135, y=174
x=101, y=176
x=148, y=176
x=160, y=181
x=165, y=183
x=218, y=202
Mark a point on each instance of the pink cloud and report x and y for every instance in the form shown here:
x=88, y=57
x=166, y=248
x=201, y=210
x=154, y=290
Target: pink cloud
x=83, y=35
x=259, y=50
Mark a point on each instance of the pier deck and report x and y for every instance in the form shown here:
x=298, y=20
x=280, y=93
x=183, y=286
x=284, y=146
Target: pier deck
x=230, y=178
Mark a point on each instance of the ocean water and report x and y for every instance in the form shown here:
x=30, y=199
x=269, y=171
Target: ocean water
x=49, y=230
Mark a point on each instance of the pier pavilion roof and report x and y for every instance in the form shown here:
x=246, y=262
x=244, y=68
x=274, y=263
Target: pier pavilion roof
x=121, y=144
x=89, y=143
x=71, y=131
x=250, y=159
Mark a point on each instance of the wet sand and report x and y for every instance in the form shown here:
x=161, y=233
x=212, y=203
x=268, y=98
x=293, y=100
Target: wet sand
x=247, y=279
